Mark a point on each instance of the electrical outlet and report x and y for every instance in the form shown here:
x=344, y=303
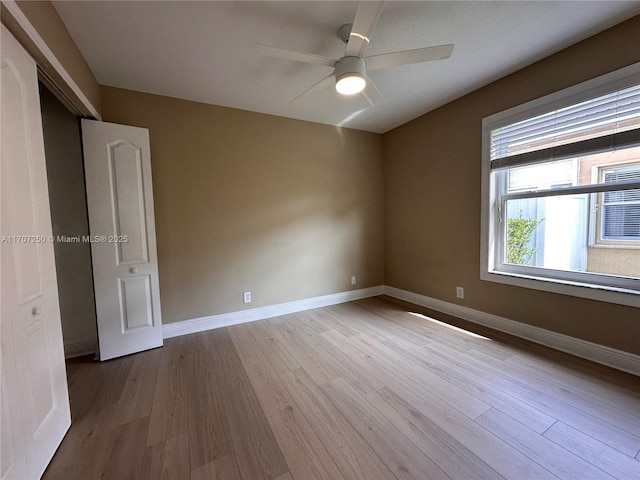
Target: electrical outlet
x=459, y=292
x=353, y=279
x=247, y=297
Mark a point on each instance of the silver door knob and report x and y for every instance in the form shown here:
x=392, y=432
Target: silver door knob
x=35, y=311
x=133, y=270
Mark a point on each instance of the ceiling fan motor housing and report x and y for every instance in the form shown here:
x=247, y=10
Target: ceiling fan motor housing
x=344, y=32
x=350, y=66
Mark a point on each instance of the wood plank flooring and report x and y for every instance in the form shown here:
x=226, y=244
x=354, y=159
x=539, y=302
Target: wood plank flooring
x=372, y=389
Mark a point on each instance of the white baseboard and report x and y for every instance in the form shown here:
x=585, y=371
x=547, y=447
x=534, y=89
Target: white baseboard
x=243, y=316
x=627, y=362
x=78, y=349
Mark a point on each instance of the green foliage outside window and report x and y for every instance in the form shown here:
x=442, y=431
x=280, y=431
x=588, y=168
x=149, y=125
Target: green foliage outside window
x=519, y=233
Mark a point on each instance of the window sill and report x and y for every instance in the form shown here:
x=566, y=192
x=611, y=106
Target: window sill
x=615, y=246
x=600, y=293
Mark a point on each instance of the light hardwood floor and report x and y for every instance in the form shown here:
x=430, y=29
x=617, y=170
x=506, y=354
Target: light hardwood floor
x=369, y=389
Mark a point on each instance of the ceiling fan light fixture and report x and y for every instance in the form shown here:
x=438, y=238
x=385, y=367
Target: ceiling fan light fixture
x=350, y=75
x=350, y=84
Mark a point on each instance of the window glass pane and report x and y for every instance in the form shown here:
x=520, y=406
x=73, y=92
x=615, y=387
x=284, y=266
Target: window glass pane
x=609, y=167
x=548, y=232
x=543, y=176
x=621, y=215
x=553, y=232
x=621, y=209
x=622, y=174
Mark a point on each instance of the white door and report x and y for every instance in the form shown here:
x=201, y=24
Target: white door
x=121, y=223
x=34, y=396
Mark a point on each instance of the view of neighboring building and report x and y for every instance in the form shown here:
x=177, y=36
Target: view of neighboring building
x=589, y=232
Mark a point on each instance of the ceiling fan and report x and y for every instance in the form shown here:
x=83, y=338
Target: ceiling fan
x=350, y=71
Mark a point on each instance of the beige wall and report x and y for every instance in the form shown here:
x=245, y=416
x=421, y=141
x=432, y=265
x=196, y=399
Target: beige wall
x=44, y=18
x=432, y=199
x=249, y=202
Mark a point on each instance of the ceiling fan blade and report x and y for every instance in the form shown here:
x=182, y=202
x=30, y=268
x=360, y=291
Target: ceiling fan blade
x=407, y=57
x=371, y=93
x=317, y=87
x=295, y=56
x=364, y=24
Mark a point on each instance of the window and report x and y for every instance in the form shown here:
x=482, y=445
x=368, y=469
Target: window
x=561, y=191
x=621, y=210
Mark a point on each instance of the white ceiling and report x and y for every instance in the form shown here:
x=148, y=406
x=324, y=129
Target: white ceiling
x=203, y=51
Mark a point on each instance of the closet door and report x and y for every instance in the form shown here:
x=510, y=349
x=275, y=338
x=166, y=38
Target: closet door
x=35, y=402
x=123, y=237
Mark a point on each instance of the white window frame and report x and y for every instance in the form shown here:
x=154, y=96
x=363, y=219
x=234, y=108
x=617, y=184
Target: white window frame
x=576, y=286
